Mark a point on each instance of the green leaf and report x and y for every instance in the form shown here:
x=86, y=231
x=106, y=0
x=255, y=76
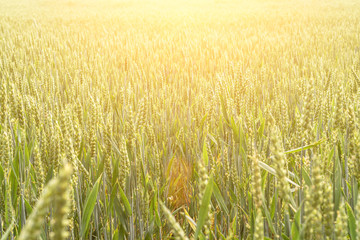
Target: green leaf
x=28, y=207
x=156, y=209
x=296, y=226
x=120, y=213
x=8, y=231
x=355, y=189
x=168, y=170
x=351, y=220
x=273, y=204
x=220, y=234
x=306, y=177
x=330, y=157
x=125, y=201
x=112, y=197
x=337, y=183
x=268, y=218
x=305, y=147
x=116, y=235
x=223, y=107
x=287, y=232
x=190, y=220
x=235, y=129
x=220, y=199
x=285, y=237
x=89, y=207
x=204, y=208
x=2, y=176
x=273, y=172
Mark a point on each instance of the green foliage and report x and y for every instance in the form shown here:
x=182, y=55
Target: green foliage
x=144, y=100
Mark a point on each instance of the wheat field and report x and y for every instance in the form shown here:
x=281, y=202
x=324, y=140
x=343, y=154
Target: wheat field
x=154, y=119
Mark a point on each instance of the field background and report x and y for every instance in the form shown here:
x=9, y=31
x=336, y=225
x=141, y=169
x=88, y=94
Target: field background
x=179, y=119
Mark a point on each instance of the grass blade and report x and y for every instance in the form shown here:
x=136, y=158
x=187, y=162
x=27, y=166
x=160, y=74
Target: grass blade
x=89, y=207
x=204, y=208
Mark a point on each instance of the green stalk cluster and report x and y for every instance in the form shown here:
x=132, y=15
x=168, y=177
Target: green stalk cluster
x=51, y=192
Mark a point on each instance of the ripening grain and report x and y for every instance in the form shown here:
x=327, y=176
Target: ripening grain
x=150, y=119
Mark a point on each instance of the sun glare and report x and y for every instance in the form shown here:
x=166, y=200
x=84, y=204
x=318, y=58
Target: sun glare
x=158, y=119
